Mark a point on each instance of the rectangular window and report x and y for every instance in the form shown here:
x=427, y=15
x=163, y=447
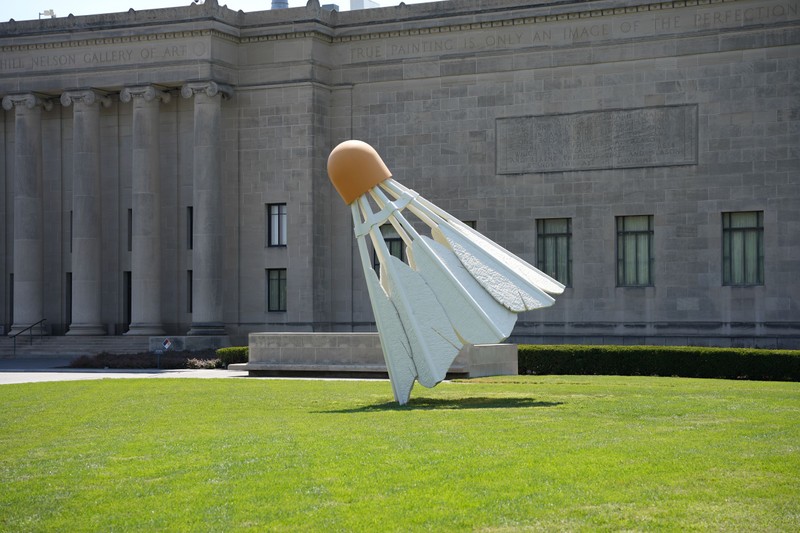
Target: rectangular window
x=276, y=224
x=743, y=248
x=68, y=299
x=635, y=251
x=127, y=289
x=130, y=229
x=10, y=299
x=71, y=231
x=189, y=227
x=554, y=248
x=276, y=289
x=393, y=242
x=189, y=289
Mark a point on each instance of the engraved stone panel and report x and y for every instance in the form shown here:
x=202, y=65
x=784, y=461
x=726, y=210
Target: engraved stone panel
x=595, y=140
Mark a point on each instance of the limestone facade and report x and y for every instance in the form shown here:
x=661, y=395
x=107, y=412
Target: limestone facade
x=142, y=153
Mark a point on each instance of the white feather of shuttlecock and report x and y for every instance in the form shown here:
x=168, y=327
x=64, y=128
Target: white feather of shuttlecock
x=458, y=286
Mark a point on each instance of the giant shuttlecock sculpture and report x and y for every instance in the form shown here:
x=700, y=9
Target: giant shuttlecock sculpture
x=458, y=287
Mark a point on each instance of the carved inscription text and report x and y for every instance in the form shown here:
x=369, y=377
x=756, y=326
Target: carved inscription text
x=102, y=56
x=625, y=138
x=566, y=33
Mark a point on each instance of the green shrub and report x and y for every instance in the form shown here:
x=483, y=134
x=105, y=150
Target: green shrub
x=164, y=361
x=234, y=354
x=683, y=361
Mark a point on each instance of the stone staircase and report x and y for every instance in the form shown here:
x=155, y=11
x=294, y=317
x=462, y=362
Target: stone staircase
x=63, y=346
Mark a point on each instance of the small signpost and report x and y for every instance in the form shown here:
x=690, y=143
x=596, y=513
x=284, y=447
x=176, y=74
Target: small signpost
x=167, y=344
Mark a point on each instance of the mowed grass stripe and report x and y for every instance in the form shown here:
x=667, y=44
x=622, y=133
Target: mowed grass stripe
x=513, y=453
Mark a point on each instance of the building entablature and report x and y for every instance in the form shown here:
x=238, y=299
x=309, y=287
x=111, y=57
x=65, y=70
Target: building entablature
x=210, y=37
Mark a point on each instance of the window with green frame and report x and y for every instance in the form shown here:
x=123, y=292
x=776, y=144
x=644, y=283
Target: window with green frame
x=276, y=289
x=743, y=248
x=554, y=248
x=635, y=251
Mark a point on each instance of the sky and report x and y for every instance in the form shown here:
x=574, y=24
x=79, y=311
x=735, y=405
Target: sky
x=30, y=9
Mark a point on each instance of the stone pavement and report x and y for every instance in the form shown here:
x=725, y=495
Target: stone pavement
x=57, y=369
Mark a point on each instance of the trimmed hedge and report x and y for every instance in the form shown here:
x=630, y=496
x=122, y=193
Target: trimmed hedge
x=168, y=360
x=234, y=354
x=682, y=361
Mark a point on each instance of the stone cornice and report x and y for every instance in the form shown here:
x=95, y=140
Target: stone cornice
x=192, y=13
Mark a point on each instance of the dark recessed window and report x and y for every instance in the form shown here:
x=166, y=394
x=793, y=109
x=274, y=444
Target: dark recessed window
x=189, y=227
x=276, y=289
x=130, y=229
x=189, y=289
x=393, y=242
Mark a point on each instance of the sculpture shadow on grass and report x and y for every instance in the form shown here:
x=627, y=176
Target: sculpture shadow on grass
x=477, y=402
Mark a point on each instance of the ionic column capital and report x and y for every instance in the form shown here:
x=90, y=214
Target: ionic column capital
x=29, y=100
x=210, y=88
x=146, y=92
x=86, y=97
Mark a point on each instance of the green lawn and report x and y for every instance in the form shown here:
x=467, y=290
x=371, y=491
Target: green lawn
x=502, y=454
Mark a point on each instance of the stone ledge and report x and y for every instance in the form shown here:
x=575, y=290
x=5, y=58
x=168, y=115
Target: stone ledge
x=329, y=371
x=357, y=354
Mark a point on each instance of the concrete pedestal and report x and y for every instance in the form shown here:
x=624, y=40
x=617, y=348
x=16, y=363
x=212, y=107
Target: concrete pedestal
x=358, y=354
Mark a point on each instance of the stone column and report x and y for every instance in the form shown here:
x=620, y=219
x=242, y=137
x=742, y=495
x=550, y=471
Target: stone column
x=146, y=204
x=207, y=199
x=28, y=224
x=86, y=222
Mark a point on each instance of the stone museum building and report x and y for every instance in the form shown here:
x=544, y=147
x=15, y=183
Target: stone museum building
x=163, y=172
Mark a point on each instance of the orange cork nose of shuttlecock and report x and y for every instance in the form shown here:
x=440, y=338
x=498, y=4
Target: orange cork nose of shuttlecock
x=355, y=167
